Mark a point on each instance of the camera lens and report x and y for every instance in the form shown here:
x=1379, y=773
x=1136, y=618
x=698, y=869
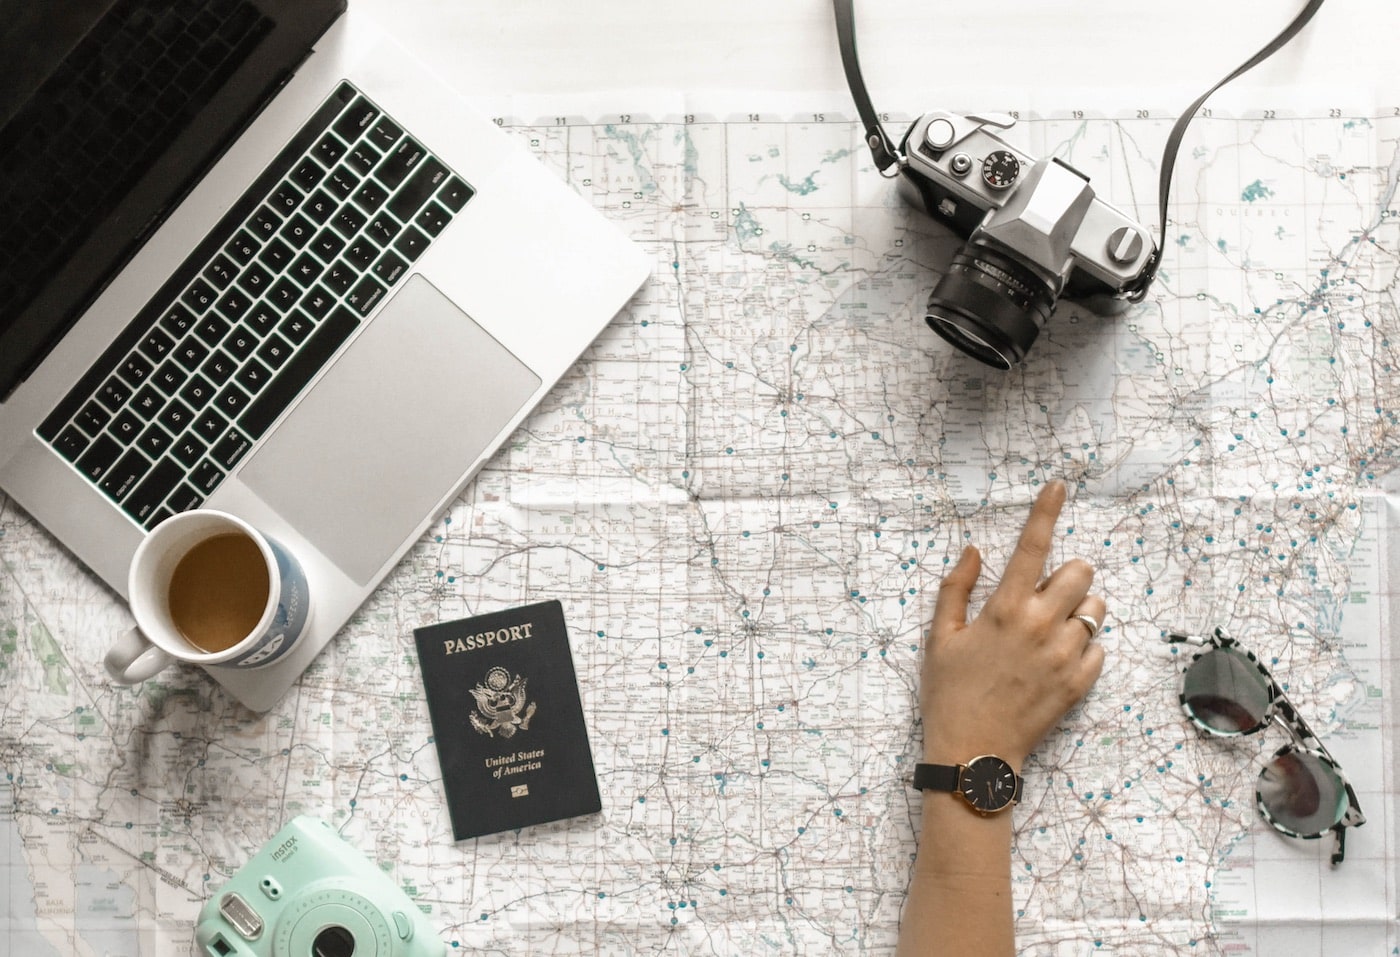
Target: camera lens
x=990, y=305
x=333, y=941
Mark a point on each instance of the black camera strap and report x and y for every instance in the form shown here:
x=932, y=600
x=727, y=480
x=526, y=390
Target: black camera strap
x=885, y=155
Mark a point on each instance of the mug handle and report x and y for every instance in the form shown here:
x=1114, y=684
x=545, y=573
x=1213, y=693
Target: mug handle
x=134, y=659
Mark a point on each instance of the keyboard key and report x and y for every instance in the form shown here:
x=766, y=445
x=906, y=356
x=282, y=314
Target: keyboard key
x=169, y=377
x=455, y=194
x=275, y=351
x=264, y=223
x=411, y=244
x=218, y=367
x=191, y=353
x=240, y=343
x=197, y=392
x=418, y=190
x=328, y=244
x=328, y=150
x=71, y=443
x=199, y=297
x=389, y=268
x=135, y=369
x=385, y=133
x=122, y=477
x=370, y=196
x=183, y=499
x=276, y=255
x=433, y=219
x=230, y=449
x=262, y=319
x=114, y=394
x=125, y=427
x=342, y=182
x=149, y=495
x=209, y=425
x=99, y=457
x=175, y=416
x=348, y=221
x=298, y=231
x=296, y=327
x=177, y=320
x=156, y=345
x=92, y=419
x=283, y=295
x=362, y=158
x=307, y=175
x=296, y=374
x=253, y=376
x=231, y=401
x=317, y=303
x=361, y=254
x=206, y=477
x=211, y=329
x=355, y=120
x=243, y=247
x=365, y=296
x=220, y=272
x=189, y=449
x=400, y=163
x=147, y=403
x=320, y=206
x=254, y=280
x=382, y=229
x=233, y=304
x=154, y=441
x=286, y=198
x=306, y=270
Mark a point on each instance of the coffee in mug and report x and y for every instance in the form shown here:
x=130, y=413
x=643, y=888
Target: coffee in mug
x=208, y=588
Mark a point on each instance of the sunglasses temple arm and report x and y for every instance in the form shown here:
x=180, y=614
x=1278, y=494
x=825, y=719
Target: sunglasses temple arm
x=1339, y=849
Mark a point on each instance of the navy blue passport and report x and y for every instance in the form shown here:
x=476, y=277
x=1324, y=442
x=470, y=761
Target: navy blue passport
x=509, y=727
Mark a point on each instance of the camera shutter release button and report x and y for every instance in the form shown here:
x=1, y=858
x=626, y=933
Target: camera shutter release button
x=939, y=134
x=1124, y=245
x=960, y=164
x=403, y=925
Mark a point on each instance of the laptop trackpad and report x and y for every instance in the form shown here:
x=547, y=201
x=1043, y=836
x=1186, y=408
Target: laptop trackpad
x=390, y=429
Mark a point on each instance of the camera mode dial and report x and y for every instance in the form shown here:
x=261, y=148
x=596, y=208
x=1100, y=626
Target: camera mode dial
x=1000, y=169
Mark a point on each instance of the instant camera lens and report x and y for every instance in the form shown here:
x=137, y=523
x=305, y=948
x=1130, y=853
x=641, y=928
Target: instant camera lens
x=990, y=305
x=1301, y=792
x=333, y=941
x=1226, y=692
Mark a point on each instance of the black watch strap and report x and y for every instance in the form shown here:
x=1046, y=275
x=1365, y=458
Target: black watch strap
x=936, y=777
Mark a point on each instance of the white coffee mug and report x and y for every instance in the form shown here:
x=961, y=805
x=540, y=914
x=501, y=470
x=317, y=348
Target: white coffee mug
x=220, y=579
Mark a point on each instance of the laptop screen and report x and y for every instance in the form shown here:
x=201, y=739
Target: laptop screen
x=111, y=113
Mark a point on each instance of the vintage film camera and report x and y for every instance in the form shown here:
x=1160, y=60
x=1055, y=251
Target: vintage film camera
x=1034, y=229
x=309, y=894
x=1035, y=232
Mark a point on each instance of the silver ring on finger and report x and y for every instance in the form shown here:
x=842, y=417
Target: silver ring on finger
x=1089, y=622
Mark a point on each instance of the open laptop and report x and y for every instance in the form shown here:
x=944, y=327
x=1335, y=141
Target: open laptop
x=256, y=258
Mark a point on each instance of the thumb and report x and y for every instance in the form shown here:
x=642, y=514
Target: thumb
x=950, y=611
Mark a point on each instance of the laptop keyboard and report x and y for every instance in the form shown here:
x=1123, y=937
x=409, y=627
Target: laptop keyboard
x=317, y=242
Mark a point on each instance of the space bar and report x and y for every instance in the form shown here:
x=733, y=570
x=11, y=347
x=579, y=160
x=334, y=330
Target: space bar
x=292, y=378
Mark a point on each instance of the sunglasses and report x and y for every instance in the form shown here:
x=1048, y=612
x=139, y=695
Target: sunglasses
x=1227, y=691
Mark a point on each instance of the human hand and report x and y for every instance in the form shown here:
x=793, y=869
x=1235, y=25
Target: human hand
x=997, y=684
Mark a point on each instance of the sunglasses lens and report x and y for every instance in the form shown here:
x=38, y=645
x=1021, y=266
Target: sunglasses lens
x=1225, y=691
x=1301, y=792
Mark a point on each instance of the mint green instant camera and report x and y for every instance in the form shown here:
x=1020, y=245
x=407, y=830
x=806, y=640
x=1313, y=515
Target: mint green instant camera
x=310, y=894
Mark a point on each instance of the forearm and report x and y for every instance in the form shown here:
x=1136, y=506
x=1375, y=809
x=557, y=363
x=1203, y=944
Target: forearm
x=960, y=896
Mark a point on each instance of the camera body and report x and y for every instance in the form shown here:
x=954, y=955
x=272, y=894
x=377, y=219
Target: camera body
x=307, y=892
x=1035, y=231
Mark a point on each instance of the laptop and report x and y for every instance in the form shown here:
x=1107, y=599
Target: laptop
x=257, y=258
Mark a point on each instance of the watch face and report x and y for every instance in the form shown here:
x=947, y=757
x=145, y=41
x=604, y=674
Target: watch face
x=988, y=783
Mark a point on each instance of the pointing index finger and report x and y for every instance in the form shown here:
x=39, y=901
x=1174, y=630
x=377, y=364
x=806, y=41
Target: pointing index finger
x=1027, y=562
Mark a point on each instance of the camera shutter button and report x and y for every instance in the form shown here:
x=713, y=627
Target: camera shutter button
x=939, y=134
x=960, y=164
x=403, y=925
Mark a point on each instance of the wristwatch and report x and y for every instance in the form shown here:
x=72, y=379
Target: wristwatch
x=987, y=783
